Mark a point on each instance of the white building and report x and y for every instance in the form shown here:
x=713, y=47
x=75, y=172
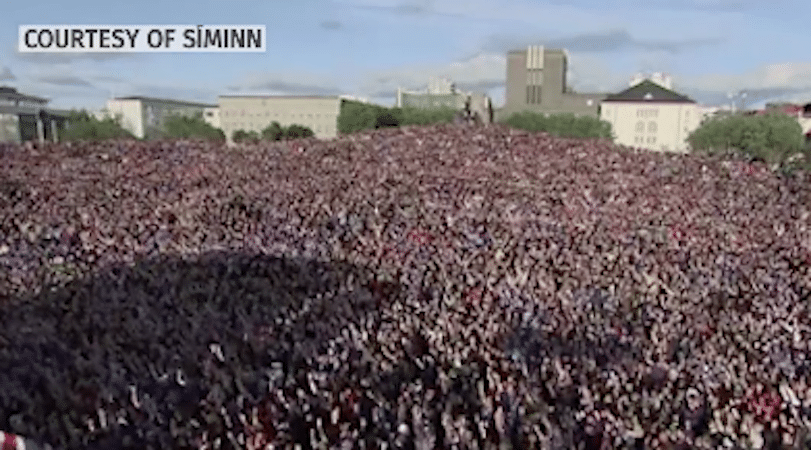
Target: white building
x=256, y=112
x=144, y=117
x=652, y=116
x=442, y=93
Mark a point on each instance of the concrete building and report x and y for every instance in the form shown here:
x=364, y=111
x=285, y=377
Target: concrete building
x=650, y=115
x=212, y=116
x=442, y=93
x=144, y=117
x=27, y=118
x=255, y=112
x=536, y=81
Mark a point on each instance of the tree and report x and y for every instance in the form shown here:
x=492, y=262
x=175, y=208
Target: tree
x=273, y=132
x=296, y=131
x=425, y=116
x=561, y=125
x=82, y=126
x=772, y=137
x=179, y=126
x=355, y=116
x=248, y=137
x=386, y=119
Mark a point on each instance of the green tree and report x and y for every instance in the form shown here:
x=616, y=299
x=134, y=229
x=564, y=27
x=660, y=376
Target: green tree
x=772, y=137
x=82, y=126
x=425, y=116
x=296, y=131
x=180, y=126
x=386, y=119
x=561, y=125
x=248, y=137
x=355, y=116
x=273, y=132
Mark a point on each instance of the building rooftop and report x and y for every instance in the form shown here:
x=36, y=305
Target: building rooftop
x=545, y=49
x=648, y=91
x=9, y=93
x=165, y=100
x=281, y=96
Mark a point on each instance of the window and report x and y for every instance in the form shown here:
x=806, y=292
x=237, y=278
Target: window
x=652, y=127
x=651, y=139
x=640, y=126
x=647, y=113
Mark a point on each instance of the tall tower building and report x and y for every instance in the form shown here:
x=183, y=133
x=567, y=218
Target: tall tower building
x=536, y=81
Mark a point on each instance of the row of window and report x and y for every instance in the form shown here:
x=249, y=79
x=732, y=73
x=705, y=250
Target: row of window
x=651, y=113
x=642, y=140
x=244, y=113
x=250, y=125
x=647, y=113
x=533, y=95
x=640, y=127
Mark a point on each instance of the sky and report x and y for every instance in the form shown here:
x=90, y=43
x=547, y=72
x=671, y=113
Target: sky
x=369, y=48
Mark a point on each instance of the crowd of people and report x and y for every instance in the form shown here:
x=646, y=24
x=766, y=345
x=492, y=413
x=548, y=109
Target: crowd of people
x=451, y=286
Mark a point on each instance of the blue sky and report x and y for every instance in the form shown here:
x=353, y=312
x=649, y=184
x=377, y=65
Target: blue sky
x=370, y=47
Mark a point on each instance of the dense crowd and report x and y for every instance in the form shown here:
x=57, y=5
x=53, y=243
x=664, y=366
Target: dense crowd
x=453, y=286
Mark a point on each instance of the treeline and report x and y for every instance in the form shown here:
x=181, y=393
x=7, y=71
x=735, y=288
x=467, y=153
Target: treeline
x=774, y=138
x=357, y=116
x=273, y=132
x=561, y=125
x=83, y=126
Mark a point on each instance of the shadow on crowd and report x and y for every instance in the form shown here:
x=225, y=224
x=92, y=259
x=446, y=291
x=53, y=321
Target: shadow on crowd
x=171, y=351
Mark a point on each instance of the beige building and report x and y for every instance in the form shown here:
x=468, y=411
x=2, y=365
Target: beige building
x=145, y=116
x=652, y=116
x=256, y=112
x=212, y=116
x=536, y=81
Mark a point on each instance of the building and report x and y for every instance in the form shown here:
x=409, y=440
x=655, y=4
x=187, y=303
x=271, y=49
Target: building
x=536, y=81
x=144, y=117
x=650, y=115
x=28, y=118
x=212, y=116
x=442, y=93
x=256, y=112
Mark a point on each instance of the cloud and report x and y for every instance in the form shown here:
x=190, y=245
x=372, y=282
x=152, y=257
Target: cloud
x=606, y=41
x=679, y=5
x=299, y=84
x=63, y=80
x=411, y=8
x=109, y=78
x=6, y=75
x=58, y=58
x=770, y=82
x=331, y=25
x=480, y=70
x=766, y=79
